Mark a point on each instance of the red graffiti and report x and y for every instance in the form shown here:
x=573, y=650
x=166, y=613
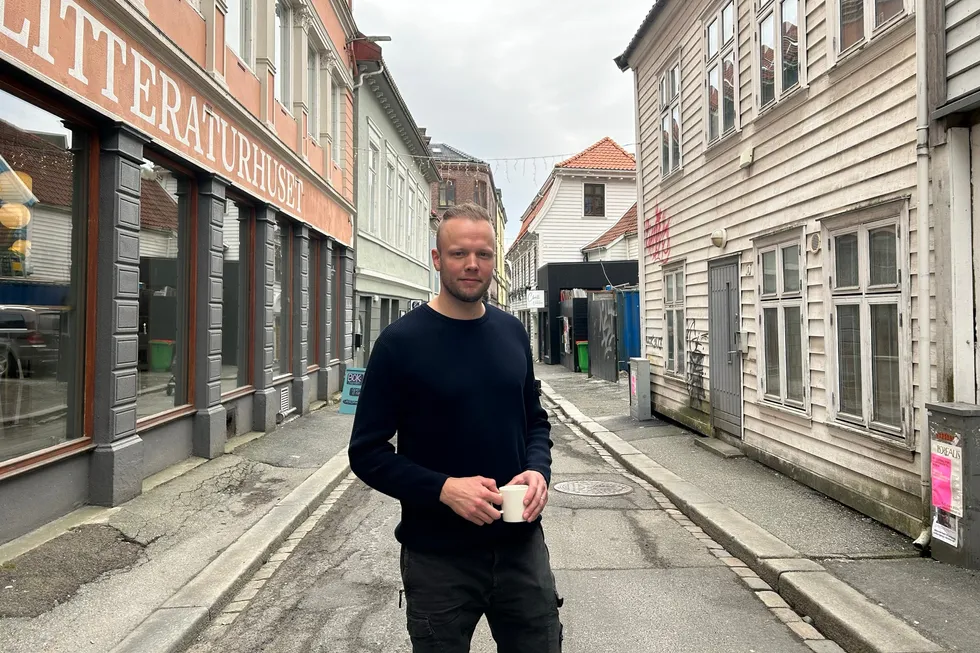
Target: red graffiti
x=657, y=236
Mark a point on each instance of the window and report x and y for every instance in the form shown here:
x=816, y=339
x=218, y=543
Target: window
x=859, y=18
x=719, y=68
x=374, y=155
x=44, y=176
x=338, y=96
x=867, y=323
x=595, y=200
x=389, y=220
x=480, y=193
x=447, y=193
x=282, y=298
x=312, y=73
x=422, y=228
x=670, y=120
x=235, y=296
x=164, y=290
x=400, y=207
x=238, y=21
x=781, y=324
x=281, y=53
x=779, y=67
x=674, y=320
x=410, y=239
x=314, y=346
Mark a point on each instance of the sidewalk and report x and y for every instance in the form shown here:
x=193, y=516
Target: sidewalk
x=148, y=575
x=863, y=584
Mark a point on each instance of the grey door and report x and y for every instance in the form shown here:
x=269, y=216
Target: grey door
x=724, y=360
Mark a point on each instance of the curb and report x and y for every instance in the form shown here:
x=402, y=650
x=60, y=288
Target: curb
x=845, y=615
x=172, y=626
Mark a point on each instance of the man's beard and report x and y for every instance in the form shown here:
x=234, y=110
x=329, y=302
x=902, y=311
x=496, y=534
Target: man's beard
x=456, y=291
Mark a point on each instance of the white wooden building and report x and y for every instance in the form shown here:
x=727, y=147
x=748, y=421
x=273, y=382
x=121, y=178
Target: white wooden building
x=580, y=200
x=620, y=242
x=778, y=236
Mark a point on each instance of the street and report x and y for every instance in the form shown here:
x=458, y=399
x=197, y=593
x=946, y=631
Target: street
x=633, y=573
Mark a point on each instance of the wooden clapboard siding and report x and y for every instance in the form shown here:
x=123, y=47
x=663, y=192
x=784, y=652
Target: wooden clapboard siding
x=843, y=140
x=563, y=230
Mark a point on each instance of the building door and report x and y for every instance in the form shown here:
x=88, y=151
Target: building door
x=723, y=357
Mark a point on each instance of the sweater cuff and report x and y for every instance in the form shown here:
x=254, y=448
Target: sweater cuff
x=544, y=471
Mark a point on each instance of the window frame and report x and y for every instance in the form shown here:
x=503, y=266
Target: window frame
x=674, y=357
x=864, y=296
x=373, y=187
x=400, y=209
x=670, y=94
x=282, y=41
x=391, y=171
x=871, y=31
x=775, y=9
x=780, y=300
x=287, y=229
x=313, y=90
x=247, y=43
x=410, y=226
x=586, y=195
x=338, y=93
x=447, y=193
x=246, y=244
x=717, y=60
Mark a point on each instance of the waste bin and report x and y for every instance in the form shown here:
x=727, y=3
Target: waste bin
x=583, y=354
x=161, y=353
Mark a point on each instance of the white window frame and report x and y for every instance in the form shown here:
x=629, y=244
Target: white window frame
x=243, y=13
x=604, y=197
x=779, y=300
x=775, y=9
x=391, y=172
x=338, y=95
x=374, y=187
x=671, y=83
x=313, y=90
x=399, y=241
x=871, y=31
x=282, y=43
x=725, y=48
x=865, y=296
x=410, y=202
x=675, y=359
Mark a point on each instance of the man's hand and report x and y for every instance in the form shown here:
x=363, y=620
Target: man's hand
x=537, y=493
x=472, y=498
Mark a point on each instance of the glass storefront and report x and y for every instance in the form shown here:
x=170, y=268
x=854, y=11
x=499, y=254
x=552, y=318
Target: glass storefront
x=282, y=298
x=235, y=296
x=163, y=295
x=43, y=188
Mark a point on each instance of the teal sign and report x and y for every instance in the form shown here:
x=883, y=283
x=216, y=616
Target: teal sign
x=353, y=380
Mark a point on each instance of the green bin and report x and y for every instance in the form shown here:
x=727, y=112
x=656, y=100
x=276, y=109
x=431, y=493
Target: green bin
x=583, y=354
x=161, y=353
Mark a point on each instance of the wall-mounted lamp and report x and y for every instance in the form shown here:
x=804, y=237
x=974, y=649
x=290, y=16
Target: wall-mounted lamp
x=719, y=238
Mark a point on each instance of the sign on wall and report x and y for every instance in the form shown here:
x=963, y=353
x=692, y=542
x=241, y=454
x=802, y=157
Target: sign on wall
x=535, y=299
x=353, y=380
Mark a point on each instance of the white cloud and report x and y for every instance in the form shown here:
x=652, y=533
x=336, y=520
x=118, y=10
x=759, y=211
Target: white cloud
x=511, y=78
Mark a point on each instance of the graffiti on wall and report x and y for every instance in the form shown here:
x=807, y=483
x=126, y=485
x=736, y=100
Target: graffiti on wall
x=656, y=342
x=656, y=230
x=697, y=342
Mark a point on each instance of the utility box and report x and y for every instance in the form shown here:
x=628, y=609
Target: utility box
x=640, y=404
x=954, y=435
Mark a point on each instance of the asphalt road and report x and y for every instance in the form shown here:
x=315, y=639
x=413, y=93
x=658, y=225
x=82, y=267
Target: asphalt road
x=633, y=578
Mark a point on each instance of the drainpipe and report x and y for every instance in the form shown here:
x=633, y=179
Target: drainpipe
x=922, y=212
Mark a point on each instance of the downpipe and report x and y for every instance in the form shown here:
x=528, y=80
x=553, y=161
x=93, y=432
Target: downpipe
x=924, y=294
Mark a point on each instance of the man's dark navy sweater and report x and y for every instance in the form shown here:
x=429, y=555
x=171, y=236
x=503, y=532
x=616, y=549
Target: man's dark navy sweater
x=460, y=394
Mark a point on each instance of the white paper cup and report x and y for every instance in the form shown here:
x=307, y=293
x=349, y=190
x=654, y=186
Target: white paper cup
x=513, y=502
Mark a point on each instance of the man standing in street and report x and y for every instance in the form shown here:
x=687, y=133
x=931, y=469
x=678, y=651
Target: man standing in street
x=455, y=380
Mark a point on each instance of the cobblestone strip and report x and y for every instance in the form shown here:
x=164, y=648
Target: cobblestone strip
x=801, y=626
x=241, y=600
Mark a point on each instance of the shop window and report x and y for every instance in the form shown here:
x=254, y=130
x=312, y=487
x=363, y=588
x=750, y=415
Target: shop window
x=163, y=294
x=314, y=304
x=282, y=298
x=236, y=284
x=44, y=178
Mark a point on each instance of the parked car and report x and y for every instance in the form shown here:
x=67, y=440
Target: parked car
x=29, y=340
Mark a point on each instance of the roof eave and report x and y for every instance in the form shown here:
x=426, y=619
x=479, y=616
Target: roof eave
x=623, y=60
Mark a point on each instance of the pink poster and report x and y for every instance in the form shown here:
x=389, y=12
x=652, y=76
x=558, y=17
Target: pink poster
x=942, y=488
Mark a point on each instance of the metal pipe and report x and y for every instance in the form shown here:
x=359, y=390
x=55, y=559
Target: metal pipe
x=922, y=213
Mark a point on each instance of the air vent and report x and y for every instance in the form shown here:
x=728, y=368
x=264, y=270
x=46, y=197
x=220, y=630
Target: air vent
x=285, y=400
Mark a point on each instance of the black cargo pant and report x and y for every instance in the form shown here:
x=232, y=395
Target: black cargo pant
x=511, y=584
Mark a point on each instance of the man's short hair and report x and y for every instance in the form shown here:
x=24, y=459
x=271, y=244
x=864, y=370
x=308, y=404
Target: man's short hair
x=464, y=210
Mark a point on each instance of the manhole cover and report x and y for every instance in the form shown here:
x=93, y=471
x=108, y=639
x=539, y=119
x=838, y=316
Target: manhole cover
x=593, y=488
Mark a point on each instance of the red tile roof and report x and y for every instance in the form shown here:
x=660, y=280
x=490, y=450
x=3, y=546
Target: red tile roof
x=158, y=209
x=626, y=226
x=604, y=155
x=533, y=210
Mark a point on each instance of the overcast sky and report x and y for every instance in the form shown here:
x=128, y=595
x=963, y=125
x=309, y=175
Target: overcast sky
x=511, y=78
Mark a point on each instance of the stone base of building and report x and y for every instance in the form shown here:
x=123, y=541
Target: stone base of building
x=116, y=474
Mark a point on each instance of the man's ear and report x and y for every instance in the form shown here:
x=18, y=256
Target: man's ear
x=436, y=262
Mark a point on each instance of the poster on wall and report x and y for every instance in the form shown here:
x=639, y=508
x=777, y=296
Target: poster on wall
x=947, y=473
x=945, y=527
